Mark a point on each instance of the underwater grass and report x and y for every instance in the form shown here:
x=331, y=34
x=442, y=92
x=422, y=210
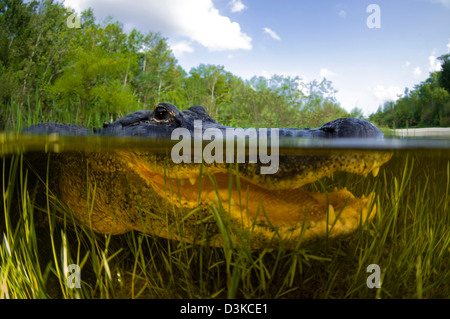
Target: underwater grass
x=409, y=239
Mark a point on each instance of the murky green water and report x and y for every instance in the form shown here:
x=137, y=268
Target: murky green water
x=409, y=237
x=14, y=143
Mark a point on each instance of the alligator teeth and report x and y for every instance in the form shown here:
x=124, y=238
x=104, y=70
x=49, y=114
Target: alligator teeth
x=375, y=171
x=192, y=180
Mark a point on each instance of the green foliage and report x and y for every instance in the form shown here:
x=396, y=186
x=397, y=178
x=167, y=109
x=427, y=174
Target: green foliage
x=32, y=39
x=160, y=75
x=208, y=85
x=357, y=113
x=427, y=105
x=409, y=239
x=50, y=71
x=444, y=78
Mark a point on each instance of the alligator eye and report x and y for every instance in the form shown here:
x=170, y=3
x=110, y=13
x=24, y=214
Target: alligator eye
x=161, y=114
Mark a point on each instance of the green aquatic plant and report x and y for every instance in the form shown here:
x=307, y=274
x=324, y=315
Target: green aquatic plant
x=409, y=239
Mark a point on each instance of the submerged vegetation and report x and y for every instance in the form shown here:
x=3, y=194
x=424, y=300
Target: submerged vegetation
x=409, y=239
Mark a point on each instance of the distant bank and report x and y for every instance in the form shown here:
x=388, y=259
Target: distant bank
x=433, y=131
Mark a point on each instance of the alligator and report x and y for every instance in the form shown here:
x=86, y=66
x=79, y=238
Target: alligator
x=118, y=190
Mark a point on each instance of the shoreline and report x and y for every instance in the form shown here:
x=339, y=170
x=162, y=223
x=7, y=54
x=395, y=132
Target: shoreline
x=432, y=131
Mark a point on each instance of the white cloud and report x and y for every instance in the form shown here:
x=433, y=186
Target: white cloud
x=325, y=73
x=342, y=13
x=272, y=33
x=181, y=47
x=406, y=64
x=383, y=94
x=198, y=20
x=434, y=63
x=77, y=5
x=237, y=6
x=417, y=71
x=448, y=46
x=265, y=74
x=445, y=3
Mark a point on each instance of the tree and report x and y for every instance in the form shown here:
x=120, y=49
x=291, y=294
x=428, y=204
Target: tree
x=444, y=77
x=426, y=105
x=208, y=85
x=160, y=74
x=15, y=30
x=34, y=43
x=357, y=113
x=97, y=70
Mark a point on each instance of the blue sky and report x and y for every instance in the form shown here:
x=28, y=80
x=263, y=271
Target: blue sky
x=309, y=38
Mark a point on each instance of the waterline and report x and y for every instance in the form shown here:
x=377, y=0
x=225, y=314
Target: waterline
x=213, y=151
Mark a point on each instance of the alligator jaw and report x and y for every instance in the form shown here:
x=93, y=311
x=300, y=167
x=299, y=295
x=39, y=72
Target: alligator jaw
x=290, y=214
x=120, y=191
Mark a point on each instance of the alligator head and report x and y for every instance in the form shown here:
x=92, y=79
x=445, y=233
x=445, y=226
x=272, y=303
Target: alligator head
x=115, y=191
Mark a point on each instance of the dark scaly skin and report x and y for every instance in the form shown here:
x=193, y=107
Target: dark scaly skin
x=160, y=123
x=116, y=191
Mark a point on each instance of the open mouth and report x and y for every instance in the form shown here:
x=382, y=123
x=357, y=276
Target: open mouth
x=268, y=204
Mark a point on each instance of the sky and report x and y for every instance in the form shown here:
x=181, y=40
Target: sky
x=370, y=50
